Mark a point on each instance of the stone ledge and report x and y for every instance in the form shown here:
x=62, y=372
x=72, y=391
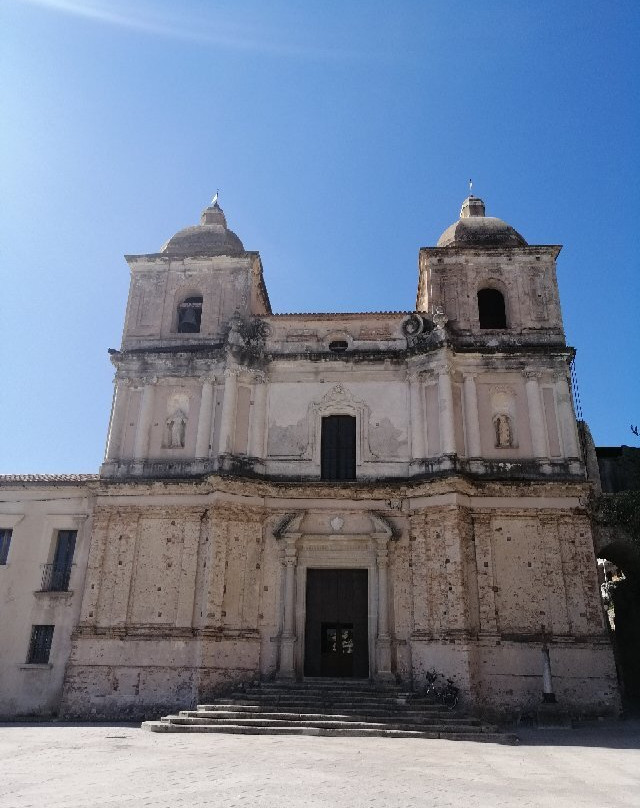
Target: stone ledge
x=35, y=666
x=42, y=594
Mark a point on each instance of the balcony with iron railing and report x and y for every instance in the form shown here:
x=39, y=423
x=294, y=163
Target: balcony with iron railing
x=55, y=577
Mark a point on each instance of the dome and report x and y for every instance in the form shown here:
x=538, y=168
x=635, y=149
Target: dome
x=210, y=237
x=474, y=229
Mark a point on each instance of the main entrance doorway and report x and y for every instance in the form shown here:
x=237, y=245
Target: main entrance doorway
x=336, y=632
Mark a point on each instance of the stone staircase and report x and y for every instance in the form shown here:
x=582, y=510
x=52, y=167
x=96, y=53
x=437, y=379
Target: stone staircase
x=330, y=707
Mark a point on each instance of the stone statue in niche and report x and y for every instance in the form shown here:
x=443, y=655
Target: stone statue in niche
x=504, y=432
x=175, y=428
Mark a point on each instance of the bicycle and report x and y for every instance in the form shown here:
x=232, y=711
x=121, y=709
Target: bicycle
x=447, y=693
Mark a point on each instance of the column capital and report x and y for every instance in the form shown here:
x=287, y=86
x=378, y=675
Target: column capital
x=291, y=549
x=446, y=369
x=208, y=378
x=532, y=375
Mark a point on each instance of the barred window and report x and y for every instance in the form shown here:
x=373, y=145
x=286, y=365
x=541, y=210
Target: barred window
x=40, y=645
x=5, y=541
x=55, y=576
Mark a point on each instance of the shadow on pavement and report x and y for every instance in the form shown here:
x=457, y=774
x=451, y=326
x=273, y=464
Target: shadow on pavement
x=610, y=733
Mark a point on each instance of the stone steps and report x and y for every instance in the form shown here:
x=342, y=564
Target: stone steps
x=329, y=708
x=381, y=716
x=324, y=722
x=357, y=701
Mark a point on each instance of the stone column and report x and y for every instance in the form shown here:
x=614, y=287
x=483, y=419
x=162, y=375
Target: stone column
x=204, y=418
x=118, y=413
x=445, y=400
x=566, y=418
x=383, y=641
x=536, y=415
x=258, y=417
x=416, y=412
x=145, y=414
x=228, y=418
x=287, y=645
x=471, y=421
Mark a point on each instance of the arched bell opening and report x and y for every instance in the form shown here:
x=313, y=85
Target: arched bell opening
x=492, y=312
x=190, y=315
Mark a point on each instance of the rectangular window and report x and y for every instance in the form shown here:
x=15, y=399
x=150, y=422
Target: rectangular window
x=5, y=541
x=40, y=645
x=55, y=577
x=338, y=448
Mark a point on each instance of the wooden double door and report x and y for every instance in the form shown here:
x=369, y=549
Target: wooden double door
x=337, y=626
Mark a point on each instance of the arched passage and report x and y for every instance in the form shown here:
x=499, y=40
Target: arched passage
x=621, y=594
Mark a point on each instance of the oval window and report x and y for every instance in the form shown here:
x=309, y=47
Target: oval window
x=338, y=345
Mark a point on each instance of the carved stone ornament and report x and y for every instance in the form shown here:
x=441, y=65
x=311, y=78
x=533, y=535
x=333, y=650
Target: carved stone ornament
x=439, y=318
x=289, y=523
x=338, y=393
x=413, y=325
x=382, y=525
x=337, y=523
x=501, y=388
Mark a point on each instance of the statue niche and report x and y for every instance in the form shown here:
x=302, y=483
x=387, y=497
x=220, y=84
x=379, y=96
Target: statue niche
x=175, y=428
x=503, y=430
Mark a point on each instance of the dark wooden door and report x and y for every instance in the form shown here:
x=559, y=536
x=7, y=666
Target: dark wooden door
x=337, y=628
x=338, y=448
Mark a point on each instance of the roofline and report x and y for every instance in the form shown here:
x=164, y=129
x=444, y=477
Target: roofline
x=47, y=479
x=325, y=315
x=475, y=248
x=168, y=257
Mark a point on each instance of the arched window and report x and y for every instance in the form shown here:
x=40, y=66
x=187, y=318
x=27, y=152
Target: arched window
x=338, y=448
x=491, y=309
x=190, y=315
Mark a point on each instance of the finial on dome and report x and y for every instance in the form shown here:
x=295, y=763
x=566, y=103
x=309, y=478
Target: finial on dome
x=472, y=206
x=213, y=214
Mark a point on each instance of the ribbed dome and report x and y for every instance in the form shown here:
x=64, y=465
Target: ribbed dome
x=210, y=237
x=474, y=229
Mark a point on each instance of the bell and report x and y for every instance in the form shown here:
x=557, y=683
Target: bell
x=188, y=321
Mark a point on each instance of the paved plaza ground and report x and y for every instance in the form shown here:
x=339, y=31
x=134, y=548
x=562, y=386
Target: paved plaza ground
x=61, y=765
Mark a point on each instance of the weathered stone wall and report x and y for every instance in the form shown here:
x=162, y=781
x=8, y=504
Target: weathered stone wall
x=187, y=598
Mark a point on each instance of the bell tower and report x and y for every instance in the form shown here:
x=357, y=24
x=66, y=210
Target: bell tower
x=499, y=297
x=183, y=302
x=492, y=285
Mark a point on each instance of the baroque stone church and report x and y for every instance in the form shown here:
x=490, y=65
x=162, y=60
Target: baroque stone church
x=360, y=495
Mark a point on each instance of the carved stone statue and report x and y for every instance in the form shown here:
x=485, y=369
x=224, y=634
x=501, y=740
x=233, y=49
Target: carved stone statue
x=504, y=433
x=175, y=430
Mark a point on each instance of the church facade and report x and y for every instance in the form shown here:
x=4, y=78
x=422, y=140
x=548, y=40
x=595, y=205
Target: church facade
x=358, y=495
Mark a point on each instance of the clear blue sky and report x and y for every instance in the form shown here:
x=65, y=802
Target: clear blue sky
x=341, y=135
